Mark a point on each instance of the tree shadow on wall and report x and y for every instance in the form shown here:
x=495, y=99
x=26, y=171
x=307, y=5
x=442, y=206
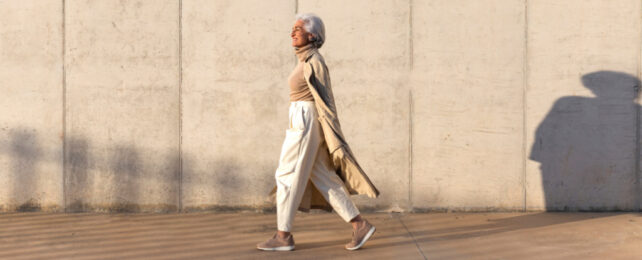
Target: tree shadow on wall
x=115, y=177
x=24, y=147
x=121, y=175
x=586, y=146
x=121, y=169
x=118, y=172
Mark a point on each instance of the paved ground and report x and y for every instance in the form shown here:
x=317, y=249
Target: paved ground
x=322, y=235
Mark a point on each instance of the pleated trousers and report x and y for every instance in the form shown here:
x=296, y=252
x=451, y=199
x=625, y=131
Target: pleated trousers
x=304, y=156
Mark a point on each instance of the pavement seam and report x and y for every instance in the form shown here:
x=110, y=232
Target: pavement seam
x=411, y=236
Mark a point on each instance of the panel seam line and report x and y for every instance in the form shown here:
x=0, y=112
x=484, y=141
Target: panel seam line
x=410, y=111
x=64, y=115
x=524, y=106
x=180, y=106
x=637, y=115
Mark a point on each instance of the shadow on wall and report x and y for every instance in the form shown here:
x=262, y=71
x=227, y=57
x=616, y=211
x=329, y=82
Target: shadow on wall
x=123, y=165
x=126, y=166
x=77, y=181
x=25, y=150
x=223, y=180
x=88, y=168
x=586, y=146
x=116, y=178
x=29, y=160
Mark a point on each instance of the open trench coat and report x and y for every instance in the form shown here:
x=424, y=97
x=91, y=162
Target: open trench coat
x=356, y=181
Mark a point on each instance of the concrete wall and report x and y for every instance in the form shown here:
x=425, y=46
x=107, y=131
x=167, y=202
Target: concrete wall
x=467, y=104
x=448, y=105
x=31, y=121
x=580, y=117
x=121, y=108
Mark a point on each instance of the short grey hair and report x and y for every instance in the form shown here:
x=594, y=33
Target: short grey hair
x=314, y=25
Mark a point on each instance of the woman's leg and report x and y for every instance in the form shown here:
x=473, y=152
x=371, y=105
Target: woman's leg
x=331, y=186
x=296, y=161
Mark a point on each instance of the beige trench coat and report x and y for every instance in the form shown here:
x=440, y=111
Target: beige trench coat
x=356, y=181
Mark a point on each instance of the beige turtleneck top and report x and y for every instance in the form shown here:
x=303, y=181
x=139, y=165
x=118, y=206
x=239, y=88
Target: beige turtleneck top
x=299, y=90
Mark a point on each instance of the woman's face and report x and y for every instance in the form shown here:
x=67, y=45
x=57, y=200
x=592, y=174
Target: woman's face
x=299, y=35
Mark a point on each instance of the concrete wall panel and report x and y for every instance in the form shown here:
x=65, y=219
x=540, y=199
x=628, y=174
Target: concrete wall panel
x=122, y=105
x=367, y=52
x=581, y=110
x=236, y=60
x=467, y=92
x=31, y=100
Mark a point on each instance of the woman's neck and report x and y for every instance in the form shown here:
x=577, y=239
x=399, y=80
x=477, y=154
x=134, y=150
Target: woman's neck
x=301, y=52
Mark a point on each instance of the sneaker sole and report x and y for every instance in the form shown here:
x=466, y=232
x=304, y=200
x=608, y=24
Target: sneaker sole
x=281, y=248
x=370, y=232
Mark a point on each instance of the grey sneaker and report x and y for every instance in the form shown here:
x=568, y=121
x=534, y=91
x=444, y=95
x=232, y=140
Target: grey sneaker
x=277, y=244
x=361, y=235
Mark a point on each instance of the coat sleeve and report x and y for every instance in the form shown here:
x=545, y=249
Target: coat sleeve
x=346, y=166
x=320, y=79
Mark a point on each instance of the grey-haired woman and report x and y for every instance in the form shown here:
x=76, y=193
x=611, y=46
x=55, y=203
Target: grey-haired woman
x=316, y=167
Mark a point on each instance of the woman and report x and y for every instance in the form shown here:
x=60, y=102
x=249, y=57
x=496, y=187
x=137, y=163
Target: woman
x=316, y=167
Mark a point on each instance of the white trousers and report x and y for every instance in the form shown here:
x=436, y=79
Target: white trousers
x=304, y=156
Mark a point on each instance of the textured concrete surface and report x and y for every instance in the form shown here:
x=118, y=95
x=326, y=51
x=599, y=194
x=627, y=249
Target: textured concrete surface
x=468, y=104
x=181, y=104
x=236, y=59
x=31, y=122
x=582, y=152
x=122, y=114
x=322, y=236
